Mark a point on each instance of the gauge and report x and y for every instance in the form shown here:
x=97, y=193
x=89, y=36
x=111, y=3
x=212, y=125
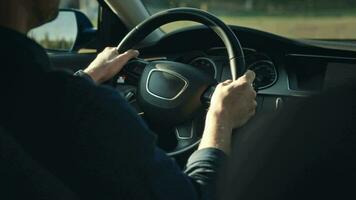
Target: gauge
x=266, y=74
x=206, y=65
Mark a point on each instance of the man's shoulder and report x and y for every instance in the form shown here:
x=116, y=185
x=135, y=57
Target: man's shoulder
x=17, y=48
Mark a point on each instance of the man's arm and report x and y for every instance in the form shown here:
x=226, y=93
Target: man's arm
x=232, y=105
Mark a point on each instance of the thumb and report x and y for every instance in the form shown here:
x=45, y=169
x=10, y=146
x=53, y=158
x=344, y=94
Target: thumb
x=248, y=77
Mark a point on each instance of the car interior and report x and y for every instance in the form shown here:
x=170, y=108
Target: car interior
x=195, y=59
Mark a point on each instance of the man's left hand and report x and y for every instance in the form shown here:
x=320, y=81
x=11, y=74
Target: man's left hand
x=108, y=63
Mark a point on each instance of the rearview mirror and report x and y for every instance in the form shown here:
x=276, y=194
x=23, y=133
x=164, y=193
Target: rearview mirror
x=70, y=31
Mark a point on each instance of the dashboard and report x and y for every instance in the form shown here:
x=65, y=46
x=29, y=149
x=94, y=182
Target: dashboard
x=286, y=70
x=284, y=67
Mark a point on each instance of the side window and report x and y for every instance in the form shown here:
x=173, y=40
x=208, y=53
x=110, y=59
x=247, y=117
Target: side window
x=74, y=27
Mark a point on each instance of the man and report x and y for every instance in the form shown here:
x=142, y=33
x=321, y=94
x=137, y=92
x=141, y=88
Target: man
x=63, y=137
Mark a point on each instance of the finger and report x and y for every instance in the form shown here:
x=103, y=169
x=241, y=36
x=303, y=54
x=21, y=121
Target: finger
x=109, y=53
x=246, y=79
x=112, y=53
x=252, y=113
x=249, y=76
x=227, y=82
x=117, y=63
x=252, y=108
x=122, y=59
x=255, y=104
x=254, y=93
x=108, y=48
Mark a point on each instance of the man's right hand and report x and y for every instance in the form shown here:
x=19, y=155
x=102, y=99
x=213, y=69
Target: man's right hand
x=234, y=101
x=232, y=105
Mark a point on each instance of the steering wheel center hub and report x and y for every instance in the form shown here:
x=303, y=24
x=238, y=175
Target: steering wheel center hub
x=170, y=92
x=165, y=84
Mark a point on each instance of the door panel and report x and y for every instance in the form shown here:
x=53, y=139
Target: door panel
x=71, y=61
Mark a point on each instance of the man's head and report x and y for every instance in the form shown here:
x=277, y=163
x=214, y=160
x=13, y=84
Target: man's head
x=43, y=11
x=23, y=15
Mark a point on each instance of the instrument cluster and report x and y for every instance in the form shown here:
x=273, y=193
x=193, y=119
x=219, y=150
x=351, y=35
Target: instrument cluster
x=262, y=65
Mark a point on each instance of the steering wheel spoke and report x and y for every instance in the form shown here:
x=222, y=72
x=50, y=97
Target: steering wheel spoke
x=188, y=134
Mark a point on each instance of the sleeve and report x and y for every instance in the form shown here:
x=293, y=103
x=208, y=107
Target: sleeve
x=203, y=168
x=117, y=155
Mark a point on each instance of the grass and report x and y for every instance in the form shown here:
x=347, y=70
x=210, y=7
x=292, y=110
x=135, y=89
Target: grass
x=307, y=27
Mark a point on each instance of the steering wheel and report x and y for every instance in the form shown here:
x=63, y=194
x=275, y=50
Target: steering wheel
x=173, y=94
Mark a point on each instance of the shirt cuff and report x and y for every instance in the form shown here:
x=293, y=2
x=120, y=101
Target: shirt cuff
x=84, y=75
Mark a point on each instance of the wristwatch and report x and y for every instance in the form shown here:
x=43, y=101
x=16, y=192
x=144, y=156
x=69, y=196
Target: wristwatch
x=84, y=75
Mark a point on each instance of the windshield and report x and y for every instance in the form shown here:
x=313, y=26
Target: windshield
x=307, y=19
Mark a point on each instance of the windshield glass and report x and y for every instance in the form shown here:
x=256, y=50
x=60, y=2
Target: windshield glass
x=308, y=19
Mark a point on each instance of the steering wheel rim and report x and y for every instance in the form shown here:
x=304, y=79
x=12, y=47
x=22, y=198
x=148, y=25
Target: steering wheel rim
x=231, y=42
x=141, y=31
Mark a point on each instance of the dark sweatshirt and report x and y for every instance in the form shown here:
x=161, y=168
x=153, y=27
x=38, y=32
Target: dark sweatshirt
x=63, y=137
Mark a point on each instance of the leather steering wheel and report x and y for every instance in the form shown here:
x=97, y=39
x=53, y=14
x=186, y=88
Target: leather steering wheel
x=173, y=94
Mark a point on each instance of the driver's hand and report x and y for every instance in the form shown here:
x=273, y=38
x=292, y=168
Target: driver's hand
x=108, y=63
x=232, y=105
x=233, y=102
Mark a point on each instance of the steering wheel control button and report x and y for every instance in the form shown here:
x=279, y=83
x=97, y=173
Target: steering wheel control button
x=129, y=96
x=165, y=84
x=121, y=80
